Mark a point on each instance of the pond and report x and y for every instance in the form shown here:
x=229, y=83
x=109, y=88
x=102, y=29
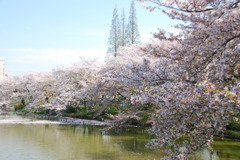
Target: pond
x=20, y=139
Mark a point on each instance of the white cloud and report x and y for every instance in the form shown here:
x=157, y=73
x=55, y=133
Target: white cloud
x=30, y=59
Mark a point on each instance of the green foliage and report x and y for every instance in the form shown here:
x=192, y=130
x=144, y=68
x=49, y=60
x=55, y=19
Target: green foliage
x=78, y=112
x=201, y=98
x=112, y=109
x=25, y=111
x=53, y=113
x=70, y=109
x=73, y=109
x=82, y=112
x=82, y=115
x=231, y=81
x=232, y=134
x=103, y=117
x=142, y=121
x=145, y=117
x=41, y=110
x=82, y=108
x=235, y=126
x=19, y=106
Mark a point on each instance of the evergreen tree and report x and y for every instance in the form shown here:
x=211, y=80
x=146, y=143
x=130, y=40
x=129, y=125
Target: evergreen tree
x=114, y=39
x=133, y=35
x=122, y=34
x=123, y=29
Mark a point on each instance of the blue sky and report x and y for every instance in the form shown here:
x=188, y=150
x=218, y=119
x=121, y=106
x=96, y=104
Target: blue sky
x=40, y=35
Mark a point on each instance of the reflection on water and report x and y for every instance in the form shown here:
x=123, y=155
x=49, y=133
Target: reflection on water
x=68, y=142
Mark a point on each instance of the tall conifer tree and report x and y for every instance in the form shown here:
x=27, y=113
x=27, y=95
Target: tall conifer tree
x=122, y=34
x=133, y=35
x=114, y=39
x=123, y=29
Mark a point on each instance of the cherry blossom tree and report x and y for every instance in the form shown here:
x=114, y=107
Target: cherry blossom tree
x=154, y=76
x=54, y=91
x=72, y=83
x=191, y=79
x=196, y=85
x=211, y=32
x=31, y=90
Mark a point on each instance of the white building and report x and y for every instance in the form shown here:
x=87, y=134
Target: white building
x=2, y=68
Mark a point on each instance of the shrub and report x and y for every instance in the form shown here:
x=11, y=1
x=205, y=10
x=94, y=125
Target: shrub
x=82, y=115
x=41, y=110
x=112, y=109
x=235, y=126
x=70, y=109
x=25, y=110
x=232, y=134
x=19, y=106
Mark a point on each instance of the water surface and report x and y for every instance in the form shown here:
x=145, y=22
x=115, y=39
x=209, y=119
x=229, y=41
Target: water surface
x=36, y=141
